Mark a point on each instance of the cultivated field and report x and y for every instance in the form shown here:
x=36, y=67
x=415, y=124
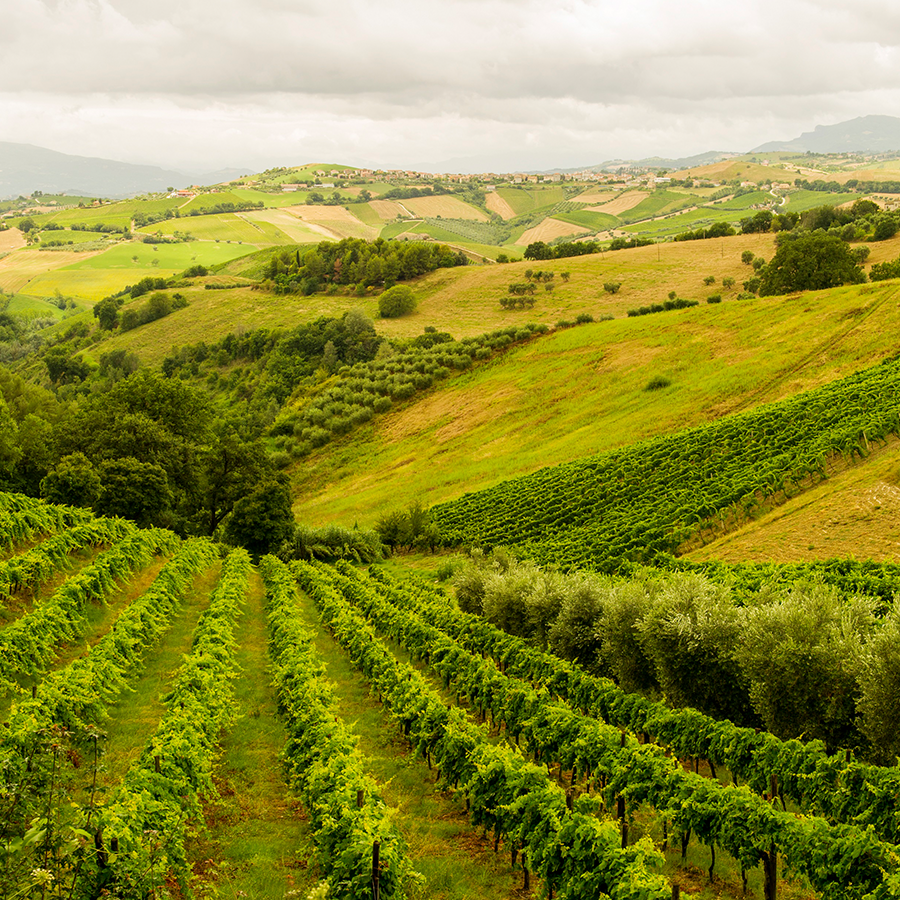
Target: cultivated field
x=549, y=230
x=445, y=206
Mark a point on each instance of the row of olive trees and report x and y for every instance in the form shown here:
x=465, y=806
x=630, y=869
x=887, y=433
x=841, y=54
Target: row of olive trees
x=802, y=662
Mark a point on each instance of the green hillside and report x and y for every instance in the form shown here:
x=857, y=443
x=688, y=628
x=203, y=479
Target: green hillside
x=664, y=508
x=493, y=423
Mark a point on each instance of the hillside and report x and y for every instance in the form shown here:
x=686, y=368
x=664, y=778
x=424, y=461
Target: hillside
x=582, y=391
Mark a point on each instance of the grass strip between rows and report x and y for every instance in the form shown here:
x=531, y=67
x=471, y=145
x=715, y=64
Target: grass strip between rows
x=346, y=812
x=146, y=818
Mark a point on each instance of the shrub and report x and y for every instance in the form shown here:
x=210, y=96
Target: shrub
x=710, y=279
x=747, y=257
x=612, y=287
x=714, y=298
x=396, y=301
x=657, y=382
x=583, y=319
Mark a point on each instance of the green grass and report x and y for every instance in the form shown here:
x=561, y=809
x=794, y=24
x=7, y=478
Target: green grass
x=595, y=221
x=801, y=200
x=134, y=717
x=76, y=237
x=528, y=199
x=456, y=863
x=657, y=204
x=99, y=276
x=257, y=843
x=581, y=391
x=744, y=201
x=23, y=303
x=366, y=214
x=225, y=227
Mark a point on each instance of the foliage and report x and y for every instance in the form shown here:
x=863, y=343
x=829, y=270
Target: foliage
x=354, y=261
x=396, y=301
x=836, y=859
x=331, y=542
x=507, y=795
x=263, y=520
x=412, y=528
x=147, y=815
x=810, y=262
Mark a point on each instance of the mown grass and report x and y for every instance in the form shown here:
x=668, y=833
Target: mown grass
x=595, y=221
x=100, y=275
x=134, y=717
x=581, y=391
x=225, y=227
x=855, y=513
x=257, y=842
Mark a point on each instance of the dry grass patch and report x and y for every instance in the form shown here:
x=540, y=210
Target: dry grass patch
x=549, y=230
x=284, y=221
x=855, y=513
x=12, y=239
x=623, y=203
x=496, y=204
x=337, y=220
x=387, y=210
x=444, y=206
x=17, y=269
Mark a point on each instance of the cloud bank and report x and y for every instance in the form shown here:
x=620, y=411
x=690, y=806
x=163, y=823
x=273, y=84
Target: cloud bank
x=498, y=84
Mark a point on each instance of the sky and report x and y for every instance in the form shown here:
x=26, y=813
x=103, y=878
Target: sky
x=436, y=85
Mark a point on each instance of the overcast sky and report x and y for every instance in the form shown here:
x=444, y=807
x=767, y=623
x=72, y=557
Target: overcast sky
x=443, y=85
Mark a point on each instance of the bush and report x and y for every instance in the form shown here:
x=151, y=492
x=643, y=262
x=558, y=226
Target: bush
x=612, y=287
x=714, y=298
x=657, y=382
x=396, y=301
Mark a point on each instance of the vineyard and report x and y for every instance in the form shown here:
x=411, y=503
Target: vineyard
x=616, y=509
x=589, y=791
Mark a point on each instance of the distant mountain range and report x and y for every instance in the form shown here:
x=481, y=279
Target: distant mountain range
x=25, y=168
x=873, y=134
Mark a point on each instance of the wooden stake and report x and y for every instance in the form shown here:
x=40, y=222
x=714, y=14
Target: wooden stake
x=376, y=871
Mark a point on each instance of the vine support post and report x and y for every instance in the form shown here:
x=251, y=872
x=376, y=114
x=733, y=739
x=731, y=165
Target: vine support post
x=770, y=874
x=676, y=892
x=376, y=871
x=359, y=799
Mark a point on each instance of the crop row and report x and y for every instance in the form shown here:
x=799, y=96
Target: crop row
x=346, y=813
x=571, y=849
x=34, y=566
x=22, y=517
x=48, y=732
x=148, y=813
x=836, y=786
x=633, y=503
x=29, y=644
x=839, y=861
